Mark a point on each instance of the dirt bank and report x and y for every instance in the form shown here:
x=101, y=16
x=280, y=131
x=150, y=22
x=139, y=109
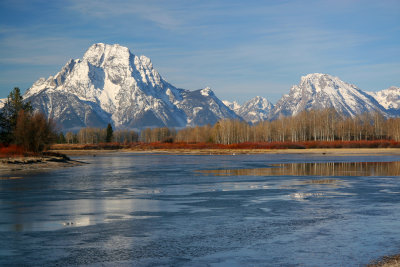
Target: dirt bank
x=36, y=163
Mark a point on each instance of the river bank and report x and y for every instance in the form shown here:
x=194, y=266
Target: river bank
x=36, y=163
x=320, y=151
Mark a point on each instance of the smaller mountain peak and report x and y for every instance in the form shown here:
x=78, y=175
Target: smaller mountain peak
x=257, y=99
x=393, y=88
x=146, y=61
x=260, y=99
x=206, y=91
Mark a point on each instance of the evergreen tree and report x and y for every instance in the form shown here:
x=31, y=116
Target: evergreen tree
x=109, y=133
x=9, y=115
x=61, y=138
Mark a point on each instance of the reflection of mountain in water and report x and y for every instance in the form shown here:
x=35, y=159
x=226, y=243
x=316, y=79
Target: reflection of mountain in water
x=316, y=169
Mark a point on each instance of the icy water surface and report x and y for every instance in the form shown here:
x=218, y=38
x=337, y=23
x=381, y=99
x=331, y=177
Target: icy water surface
x=181, y=210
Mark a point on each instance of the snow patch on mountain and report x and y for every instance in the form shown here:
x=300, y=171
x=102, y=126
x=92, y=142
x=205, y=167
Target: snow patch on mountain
x=231, y=105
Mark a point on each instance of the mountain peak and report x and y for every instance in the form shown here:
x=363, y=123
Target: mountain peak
x=317, y=76
x=255, y=110
x=319, y=81
x=259, y=99
x=258, y=102
x=99, y=53
x=319, y=91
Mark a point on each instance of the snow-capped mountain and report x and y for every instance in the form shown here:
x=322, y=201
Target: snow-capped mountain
x=319, y=91
x=110, y=84
x=389, y=99
x=255, y=110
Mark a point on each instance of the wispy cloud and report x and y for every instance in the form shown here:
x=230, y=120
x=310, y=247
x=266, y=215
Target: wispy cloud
x=146, y=10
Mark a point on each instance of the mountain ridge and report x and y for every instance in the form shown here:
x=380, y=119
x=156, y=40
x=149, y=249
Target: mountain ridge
x=319, y=91
x=112, y=85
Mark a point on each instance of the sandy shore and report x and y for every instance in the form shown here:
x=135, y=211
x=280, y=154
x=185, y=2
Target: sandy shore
x=35, y=163
x=320, y=151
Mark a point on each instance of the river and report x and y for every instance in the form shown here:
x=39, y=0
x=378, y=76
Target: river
x=126, y=209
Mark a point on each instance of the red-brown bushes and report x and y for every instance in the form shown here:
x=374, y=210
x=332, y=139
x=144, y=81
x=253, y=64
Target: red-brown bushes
x=11, y=151
x=245, y=145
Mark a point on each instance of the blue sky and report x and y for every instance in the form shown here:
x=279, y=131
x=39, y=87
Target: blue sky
x=239, y=48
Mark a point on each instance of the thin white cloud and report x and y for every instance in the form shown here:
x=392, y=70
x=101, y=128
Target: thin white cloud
x=146, y=10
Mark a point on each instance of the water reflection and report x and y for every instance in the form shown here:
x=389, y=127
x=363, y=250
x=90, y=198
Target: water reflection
x=80, y=212
x=11, y=178
x=316, y=169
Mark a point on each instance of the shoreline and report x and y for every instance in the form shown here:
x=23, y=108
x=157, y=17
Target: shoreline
x=318, y=151
x=39, y=163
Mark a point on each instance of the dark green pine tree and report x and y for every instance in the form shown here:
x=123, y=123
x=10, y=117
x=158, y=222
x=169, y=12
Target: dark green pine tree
x=9, y=115
x=61, y=138
x=109, y=135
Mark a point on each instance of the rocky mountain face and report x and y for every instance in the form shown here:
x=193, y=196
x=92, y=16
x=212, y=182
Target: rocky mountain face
x=110, y=84
x=319, y=91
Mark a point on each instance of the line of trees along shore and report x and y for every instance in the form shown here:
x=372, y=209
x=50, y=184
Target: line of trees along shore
x=314, y=125
x=22, y=127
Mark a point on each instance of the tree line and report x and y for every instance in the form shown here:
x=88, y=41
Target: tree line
x=92, y=135
x=313, y=125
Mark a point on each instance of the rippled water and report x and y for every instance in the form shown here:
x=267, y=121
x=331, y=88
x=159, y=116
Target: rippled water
x=181, y=210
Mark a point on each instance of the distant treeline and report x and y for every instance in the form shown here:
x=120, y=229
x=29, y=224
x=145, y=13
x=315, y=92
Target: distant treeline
x=97, y=135
x=314, y=125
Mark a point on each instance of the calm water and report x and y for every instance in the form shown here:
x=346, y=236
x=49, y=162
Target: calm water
x=247, y=210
